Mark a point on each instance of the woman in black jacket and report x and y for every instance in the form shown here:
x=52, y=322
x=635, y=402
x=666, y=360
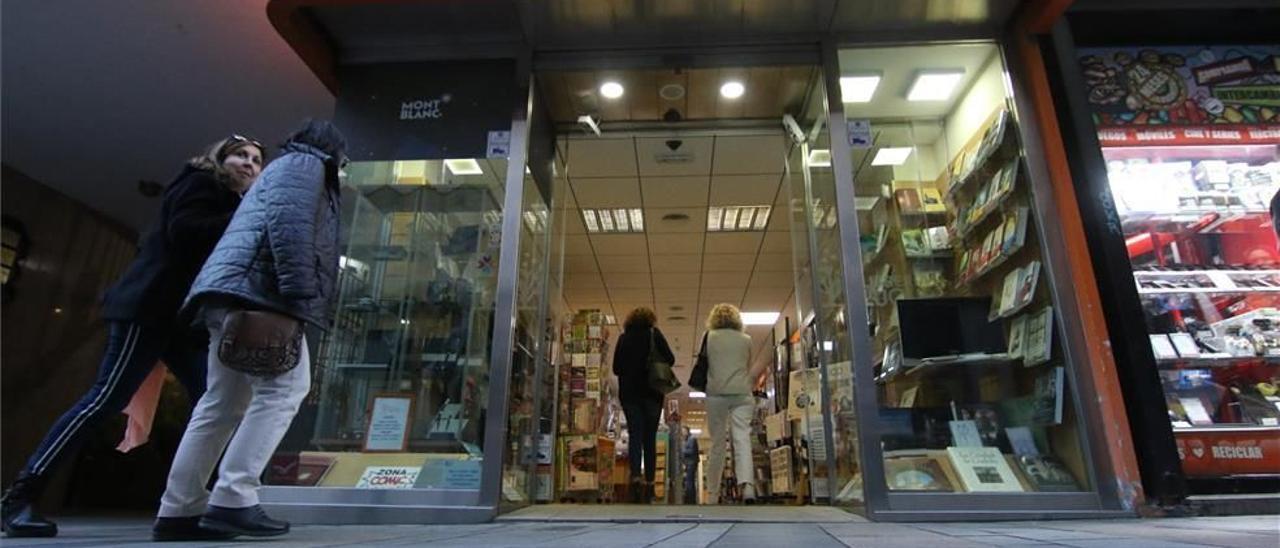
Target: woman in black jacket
x=279, y=254
x=641, y=404
x=142, y=315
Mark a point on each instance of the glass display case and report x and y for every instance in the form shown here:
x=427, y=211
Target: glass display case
x=402, y=377
x=971, y=378
x=1193, y=166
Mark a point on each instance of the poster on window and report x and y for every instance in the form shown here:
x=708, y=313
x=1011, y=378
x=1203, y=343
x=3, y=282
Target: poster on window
x=388, y=429
x=1162, y=87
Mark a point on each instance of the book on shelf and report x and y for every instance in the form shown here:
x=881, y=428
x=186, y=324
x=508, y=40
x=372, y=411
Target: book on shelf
x=979, y=200
x=908, y=200
x=939, y=238
x=1046, y=473
x=983, y=469
x=962, y=268
x=1015, y=230
x=1038, y=347
x=991, y=247
x=1008, y=177
x=914, y=242
x=917, y=471
x=964, y=433
x=1027, y=279
x=1017, y=336
x=1009, y=292
x=882, y=237
x=1048, y=396
x=931, y=200
x=930, y=280
x=985, y=418
x=908, y=398
x=1021, y=440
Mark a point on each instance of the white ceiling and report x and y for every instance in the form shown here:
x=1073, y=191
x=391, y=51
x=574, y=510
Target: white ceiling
x=898, y=67
x=98, y=95
x=677, y=268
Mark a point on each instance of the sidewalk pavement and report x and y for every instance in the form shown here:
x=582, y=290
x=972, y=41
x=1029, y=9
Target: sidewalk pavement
x=1233, y=532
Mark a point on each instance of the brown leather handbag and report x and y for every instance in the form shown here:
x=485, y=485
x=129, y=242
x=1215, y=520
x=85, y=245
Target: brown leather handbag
x=260, y=342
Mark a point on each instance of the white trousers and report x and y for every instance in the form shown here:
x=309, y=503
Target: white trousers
x=730, y=415
x=243, y=414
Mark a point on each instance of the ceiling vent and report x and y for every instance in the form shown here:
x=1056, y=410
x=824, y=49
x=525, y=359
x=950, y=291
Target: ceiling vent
x=675, y=217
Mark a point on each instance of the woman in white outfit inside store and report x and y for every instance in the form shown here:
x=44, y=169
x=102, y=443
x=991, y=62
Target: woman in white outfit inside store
x=730, y=404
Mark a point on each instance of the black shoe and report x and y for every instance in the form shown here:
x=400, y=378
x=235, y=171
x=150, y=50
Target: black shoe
x=186, y=528
x=251, y=521
x=18, y=513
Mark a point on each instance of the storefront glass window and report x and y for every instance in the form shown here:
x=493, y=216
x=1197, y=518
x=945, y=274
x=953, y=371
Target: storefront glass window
x=1191, y=136
x=401, y=378
x=970, y=379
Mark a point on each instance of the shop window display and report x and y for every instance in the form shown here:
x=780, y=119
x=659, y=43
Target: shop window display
x=1191, y=136
x=399, y=388
x=971, y=380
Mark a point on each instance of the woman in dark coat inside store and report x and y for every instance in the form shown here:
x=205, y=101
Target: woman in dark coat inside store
x=141, y=310
x=641, y=404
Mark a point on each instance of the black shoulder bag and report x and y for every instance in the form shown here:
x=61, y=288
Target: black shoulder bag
x=698, y=378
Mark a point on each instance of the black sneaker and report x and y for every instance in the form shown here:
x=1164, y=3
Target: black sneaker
x=251, y=521
x=185, y=528
x=18, y=513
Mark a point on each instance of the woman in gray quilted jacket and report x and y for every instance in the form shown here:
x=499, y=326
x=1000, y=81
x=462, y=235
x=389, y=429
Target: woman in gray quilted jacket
x=280, y=254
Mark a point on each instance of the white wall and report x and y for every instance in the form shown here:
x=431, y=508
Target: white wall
x=986, y=95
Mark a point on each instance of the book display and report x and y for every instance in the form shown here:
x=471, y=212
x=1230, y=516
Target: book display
x=587, y=418
x=962, y=314
x=1192, y=191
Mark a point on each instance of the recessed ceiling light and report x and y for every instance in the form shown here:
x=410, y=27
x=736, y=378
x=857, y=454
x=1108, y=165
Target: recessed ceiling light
x=891, y=156
x=613, y=220
x=464, y=166
x=732, y=90
x=859, y=88
x=737, y=218
x=934, y=85
x=611, y=90
x=820, y=157
x=759, y=318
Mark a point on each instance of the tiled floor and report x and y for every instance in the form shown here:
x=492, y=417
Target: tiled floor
x=1233, y=532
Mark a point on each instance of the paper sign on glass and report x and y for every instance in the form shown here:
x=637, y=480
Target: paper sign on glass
x=389, y=423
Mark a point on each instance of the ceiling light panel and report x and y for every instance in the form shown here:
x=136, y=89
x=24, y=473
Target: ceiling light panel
x=611, y=90
x=934, y=85
x=891, y=156
x=613, y=220
x=464, y=166
x=820, y=157
x=759, y=318
x=858, y=88
x=732, y=90
x=738, y=218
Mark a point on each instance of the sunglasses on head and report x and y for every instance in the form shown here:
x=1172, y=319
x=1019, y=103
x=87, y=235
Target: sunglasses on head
x=236, y=138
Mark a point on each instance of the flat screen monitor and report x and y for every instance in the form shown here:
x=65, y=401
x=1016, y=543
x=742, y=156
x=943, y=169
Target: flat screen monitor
x=948, y=327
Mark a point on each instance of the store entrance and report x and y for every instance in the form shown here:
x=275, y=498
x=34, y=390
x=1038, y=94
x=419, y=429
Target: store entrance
x=675, y=190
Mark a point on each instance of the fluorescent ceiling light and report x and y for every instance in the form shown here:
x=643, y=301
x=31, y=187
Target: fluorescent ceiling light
x=934, y=85
x=732, y=90
x=858, y=89
x=613, y=220
x=465, y=166
x=697, y=395
x=891, y=156
x=828, y=346
x=611, y=90
x=759, y=318
x=820, y=157
x=738, y=218
x=695, y=431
